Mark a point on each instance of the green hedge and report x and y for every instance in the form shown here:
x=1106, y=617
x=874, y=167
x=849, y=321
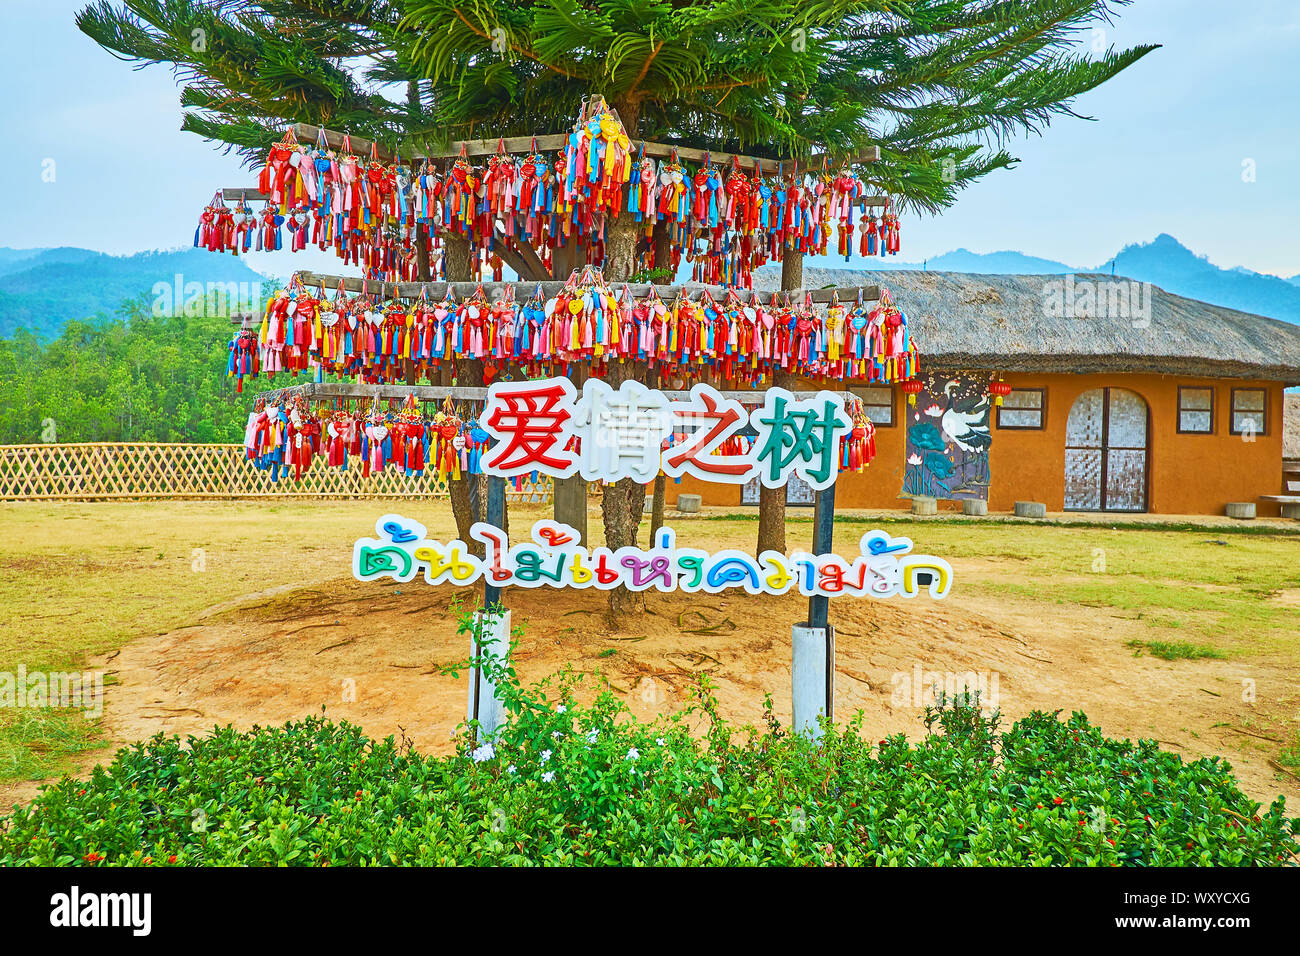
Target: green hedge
x=573, y=784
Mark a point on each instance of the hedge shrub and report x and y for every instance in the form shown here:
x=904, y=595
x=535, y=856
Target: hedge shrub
x=567, y=783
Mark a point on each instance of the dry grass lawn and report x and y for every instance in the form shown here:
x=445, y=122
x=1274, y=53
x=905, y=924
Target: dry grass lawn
x=244, y=612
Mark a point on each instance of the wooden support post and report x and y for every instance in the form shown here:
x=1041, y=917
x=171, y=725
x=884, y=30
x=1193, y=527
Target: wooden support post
x=823, y=543
x=533, y=260
x=812, y=670
x=491, y=640
x=569, y=498
x=661, y=480
x=511, y=256
x=422, y=252
x=491, y=631
x=564, y=259
x=569, y=495
x=496, y=516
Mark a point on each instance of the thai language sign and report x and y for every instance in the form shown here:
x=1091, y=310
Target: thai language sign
x=884, y=568
x=621, y=433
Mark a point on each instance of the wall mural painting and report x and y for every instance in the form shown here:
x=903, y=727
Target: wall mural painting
x=948, y=437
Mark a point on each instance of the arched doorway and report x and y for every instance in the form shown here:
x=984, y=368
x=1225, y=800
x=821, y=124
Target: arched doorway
x=1106, y=451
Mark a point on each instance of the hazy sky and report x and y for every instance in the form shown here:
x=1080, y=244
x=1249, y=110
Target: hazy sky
x=1165, y=154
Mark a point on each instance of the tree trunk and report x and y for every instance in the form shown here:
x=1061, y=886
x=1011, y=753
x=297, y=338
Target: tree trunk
x=458, y=259
x=771, y=501
x=661, y=480
x=657, y=506
x=792, y=270
x=623, y=502
x=663, y=257
x=620, y=248
x=621, y=506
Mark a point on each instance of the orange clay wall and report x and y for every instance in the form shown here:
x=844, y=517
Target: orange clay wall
x=1189, y=474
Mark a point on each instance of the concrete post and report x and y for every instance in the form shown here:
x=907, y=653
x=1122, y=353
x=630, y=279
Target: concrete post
x=492, y=623
x=494, y=644
x=812, y=676
x=812, y=669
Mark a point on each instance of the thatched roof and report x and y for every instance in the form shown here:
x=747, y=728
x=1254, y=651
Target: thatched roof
x=1077, y=323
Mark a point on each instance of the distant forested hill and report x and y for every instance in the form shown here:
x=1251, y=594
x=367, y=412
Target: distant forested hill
x=1164, y=262
x=42, y=289
x=129, y=377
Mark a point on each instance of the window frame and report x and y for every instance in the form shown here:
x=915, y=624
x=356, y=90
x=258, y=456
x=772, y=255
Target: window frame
x=1042, y=412
x=1213, y=401
x=1263, y=411
x=892, y=406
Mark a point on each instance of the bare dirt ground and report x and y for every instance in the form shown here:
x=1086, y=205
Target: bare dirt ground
x=371, y=653
x=288, y=655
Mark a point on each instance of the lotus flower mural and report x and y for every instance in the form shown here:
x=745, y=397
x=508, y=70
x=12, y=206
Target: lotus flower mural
x=948, y=438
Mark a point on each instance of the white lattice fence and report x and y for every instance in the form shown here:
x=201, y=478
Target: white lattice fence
x=104, y=470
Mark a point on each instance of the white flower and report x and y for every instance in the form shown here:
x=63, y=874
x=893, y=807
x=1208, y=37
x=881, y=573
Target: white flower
x=548, y=776
x=592, y=735
x=561, y=709
x=546, y=755
x=632, y=754
x=510, y=769
x=659, y=741
x=483, y=753
x=555, y=734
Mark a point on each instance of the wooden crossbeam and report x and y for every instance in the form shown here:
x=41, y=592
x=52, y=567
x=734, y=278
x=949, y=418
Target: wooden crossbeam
x=230, y=194
x=432, y=393
x=233, y=194
x=307, y=133
x=510, y=256
x=536, y=268
x=523, y=290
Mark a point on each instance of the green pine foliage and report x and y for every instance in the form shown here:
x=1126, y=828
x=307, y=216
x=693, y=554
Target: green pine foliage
x=939, y=85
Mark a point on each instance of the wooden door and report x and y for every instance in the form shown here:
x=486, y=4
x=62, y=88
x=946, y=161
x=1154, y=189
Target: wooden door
x=1106, y=451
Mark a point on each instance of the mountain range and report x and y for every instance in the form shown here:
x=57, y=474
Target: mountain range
x=1164, y=262
x=42, y=289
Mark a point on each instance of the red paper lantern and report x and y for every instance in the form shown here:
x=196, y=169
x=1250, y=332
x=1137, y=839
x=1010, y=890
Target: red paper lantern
x=999, y=390
x=913, y=387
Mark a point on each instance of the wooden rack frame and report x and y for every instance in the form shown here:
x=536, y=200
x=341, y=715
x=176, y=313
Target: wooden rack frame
x=524, y=289
x=234, y=193
x=323, y=391
x=306, y=133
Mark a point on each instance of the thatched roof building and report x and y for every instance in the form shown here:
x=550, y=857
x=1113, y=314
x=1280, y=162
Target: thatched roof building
x=1074, y=324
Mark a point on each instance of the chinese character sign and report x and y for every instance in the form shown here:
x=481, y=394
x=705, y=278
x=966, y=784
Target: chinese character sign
x=799, y=436
x=532, y=423
x=621, y=433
